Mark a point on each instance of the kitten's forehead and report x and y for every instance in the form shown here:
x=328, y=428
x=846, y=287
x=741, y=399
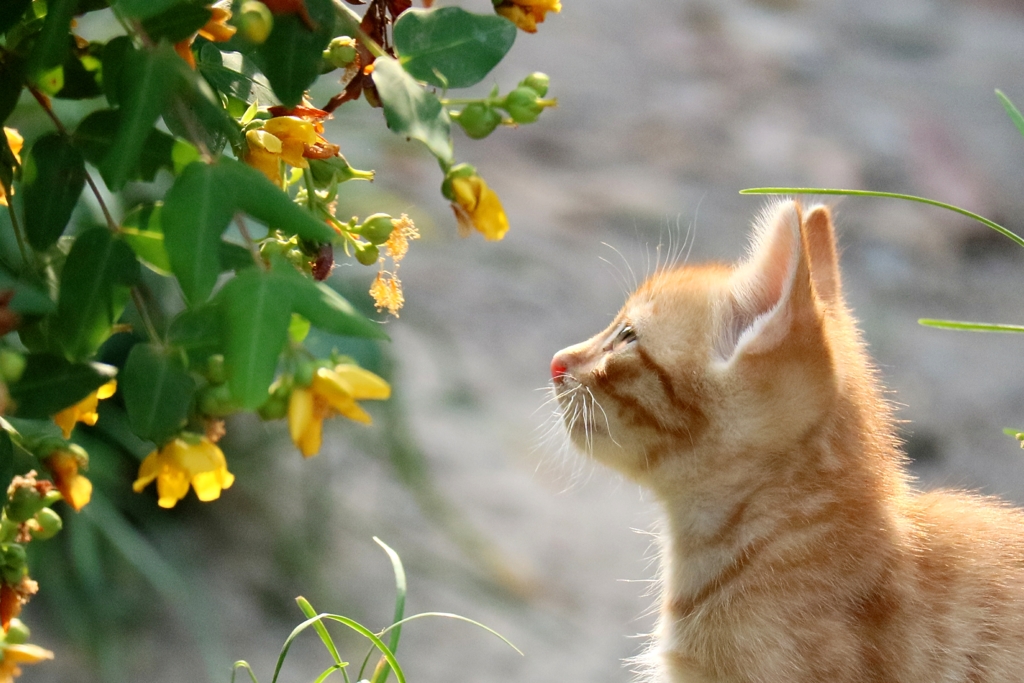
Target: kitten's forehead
x=685, y=289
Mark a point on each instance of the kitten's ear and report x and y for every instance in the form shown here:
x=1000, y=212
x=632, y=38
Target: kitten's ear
x=820, y=244
x=771, y=290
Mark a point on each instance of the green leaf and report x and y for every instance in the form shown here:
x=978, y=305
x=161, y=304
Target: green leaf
x=197, y=99
x=53, y=177
x=892, y=195
x=460, y=46
x=198, y=332
x=51, y=383
x=291, y=57
x=411, y=110
x=82, y=74
x=94, y=288
x=176, y=23
x=27, y=299
x=381, y=675
x=52, y=46
x=96, y=134
x=266, y=202
x=971, y=327
x=144, y=86
x=1012, y=111
x=157, y=390
x=196, y=212
x=6, y=462
x=115, y=56
x=12, y=77
x=143, y=9
x=234, y=256
x=256, y=313
x=326, y=309
x=142, y=231
x=13, y=11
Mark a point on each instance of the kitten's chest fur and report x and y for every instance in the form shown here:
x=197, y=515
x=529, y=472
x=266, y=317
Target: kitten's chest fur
x=793, y=549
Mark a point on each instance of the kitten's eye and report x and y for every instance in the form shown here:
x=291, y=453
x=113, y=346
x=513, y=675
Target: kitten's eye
x=624, y=335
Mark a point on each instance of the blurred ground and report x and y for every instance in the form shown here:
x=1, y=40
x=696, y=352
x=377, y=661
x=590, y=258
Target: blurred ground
x=667, y=109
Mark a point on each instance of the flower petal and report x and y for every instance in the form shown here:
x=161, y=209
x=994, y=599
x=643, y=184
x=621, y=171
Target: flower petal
x=362, y=384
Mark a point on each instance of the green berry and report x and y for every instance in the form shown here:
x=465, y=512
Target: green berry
x=522, y=105
x=367, y=254
x=341, y=52
x=537, y=82
x=17, y=632
x=479, y=120
x=254, y=22
x=12, y=365
x=49, y=524
x=376, y=229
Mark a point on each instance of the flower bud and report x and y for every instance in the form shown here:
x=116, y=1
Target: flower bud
x=478, y=120
x=376, y=229
x=17, y=632
x=304, y=373
x=216, y=401
x=254, y=22
x=274, y=408
x=13, y=563
x=457, y=171
x=522, y=105
x=23, y=504
x=215, y=371
x=537, y=82
x=341, y=52
x=12, y=364
x=48, y=523
x=367, y=253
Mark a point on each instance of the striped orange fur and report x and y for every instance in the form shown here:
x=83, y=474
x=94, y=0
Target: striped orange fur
x=794, y=548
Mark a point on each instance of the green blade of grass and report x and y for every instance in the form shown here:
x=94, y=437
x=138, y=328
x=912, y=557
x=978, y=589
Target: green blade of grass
x=382, y=671
x=322, y=677
x=389, y=656
x=891, y=195
x=974, y=327
x=457, y=617
x=1015, y=433
x=321, y=630
x=1012, y=111
x=242, y=664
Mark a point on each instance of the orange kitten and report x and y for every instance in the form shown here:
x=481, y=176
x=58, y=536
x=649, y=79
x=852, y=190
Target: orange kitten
x=794, y=549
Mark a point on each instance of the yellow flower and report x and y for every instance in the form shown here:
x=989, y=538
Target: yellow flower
x=84, y=410
x=477, y=206
x=216, y=29
x=15, y=142
x=282, y=137
x=332, y=391
x=183, y=461
x=526, y=14
x=13, y=655
x=75, y=487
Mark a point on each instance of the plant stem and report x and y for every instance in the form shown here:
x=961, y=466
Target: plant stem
x=350, y=21
x=147, y=322
x=892, y=195
x=18, y=234
x=250, y=242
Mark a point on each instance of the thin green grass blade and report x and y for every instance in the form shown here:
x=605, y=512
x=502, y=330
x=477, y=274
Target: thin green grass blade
x=381, y=674
x=242, y=664
x=1012, y=111
x=321, y=630
x=891, y=195
x=1015, y=433
x=457, y=617
x=389, y=656
x=322, y=677
x=974, y=327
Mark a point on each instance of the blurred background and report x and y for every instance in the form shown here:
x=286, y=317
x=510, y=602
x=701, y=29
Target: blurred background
x=666, y=109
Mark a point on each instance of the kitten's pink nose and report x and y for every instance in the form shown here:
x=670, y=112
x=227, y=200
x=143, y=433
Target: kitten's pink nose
x=558, y=367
